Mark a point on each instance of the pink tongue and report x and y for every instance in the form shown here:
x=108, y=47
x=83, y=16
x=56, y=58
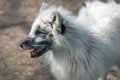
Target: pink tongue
x=34, y=52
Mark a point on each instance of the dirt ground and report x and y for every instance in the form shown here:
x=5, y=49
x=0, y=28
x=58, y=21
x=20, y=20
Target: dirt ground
x=16, y=17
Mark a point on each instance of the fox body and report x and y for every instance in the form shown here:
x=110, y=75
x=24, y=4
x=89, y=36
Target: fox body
x=83, y=47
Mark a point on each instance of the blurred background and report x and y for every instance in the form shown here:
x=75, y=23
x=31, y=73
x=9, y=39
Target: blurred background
x=16, y=17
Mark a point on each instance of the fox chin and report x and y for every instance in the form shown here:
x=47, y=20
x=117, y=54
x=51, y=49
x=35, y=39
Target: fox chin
x=83, y=47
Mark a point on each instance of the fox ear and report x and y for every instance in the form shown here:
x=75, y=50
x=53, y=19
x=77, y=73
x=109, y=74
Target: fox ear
x=44, y=6
x=56, y=21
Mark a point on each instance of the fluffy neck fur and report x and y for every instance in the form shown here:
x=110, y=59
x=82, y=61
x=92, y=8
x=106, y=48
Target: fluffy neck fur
x=71, y=52
x=78, y=54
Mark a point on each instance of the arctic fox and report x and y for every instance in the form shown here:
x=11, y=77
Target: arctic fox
x=83, y=47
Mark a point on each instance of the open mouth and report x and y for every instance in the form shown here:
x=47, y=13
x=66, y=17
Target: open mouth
x=36, y=52
x=40, y=50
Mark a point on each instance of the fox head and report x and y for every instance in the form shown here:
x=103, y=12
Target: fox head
x=54, y=29
x=46, y=31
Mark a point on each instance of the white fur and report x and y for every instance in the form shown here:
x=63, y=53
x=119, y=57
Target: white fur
x=90, y=46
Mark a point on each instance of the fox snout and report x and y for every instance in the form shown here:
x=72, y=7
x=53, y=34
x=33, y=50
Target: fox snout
x=26, y=44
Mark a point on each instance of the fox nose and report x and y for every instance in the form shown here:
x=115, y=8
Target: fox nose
x=25, y=44
x=21, y=45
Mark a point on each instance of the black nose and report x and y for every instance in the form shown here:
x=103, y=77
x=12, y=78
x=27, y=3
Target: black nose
x=25, y=44
x=21, y=45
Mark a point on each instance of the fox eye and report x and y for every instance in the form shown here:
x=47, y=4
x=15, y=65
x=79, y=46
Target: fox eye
x=37, y=32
